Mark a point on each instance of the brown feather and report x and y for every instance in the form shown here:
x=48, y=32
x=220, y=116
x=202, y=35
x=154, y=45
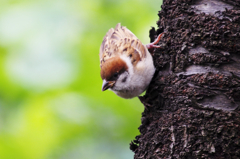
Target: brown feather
x=112, y=66
x=121, y=41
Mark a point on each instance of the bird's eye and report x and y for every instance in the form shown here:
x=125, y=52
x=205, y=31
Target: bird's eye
x=115, y=75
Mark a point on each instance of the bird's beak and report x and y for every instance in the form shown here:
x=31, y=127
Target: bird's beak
x=107, y=84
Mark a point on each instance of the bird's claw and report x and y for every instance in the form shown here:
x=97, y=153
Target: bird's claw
x=153, y=44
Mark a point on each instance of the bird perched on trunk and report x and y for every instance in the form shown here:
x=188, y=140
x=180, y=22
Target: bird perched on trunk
x=126, y=64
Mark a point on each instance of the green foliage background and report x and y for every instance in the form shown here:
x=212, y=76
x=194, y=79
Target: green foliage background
x=51, y=104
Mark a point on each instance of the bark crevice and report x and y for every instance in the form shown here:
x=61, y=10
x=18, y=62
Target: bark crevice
x=193, y=101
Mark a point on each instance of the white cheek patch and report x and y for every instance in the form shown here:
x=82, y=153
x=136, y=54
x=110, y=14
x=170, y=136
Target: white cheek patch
x=122, y=82
x=134, y=81
x=129, y=64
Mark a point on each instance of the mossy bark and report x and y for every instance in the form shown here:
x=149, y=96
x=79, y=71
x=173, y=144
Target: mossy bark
x=192, y=105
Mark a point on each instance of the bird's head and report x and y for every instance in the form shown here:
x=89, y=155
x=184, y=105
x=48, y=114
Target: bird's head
x=114, y=73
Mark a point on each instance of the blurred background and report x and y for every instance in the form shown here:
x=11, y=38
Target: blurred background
x=51, y=104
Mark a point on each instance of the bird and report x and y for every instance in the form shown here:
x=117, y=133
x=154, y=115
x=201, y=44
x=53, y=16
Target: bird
x=126, y=64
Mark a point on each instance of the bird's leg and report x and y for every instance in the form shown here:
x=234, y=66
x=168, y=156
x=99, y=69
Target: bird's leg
x=152, y=45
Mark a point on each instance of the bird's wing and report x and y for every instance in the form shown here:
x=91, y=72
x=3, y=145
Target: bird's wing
x=121, y=41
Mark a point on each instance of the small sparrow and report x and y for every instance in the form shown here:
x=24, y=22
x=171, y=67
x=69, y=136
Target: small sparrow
x=126, y=64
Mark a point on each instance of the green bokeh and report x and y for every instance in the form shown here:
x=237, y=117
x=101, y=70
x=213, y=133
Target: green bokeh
x=51, y=104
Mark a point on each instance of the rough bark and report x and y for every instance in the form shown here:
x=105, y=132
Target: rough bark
x=192, y=105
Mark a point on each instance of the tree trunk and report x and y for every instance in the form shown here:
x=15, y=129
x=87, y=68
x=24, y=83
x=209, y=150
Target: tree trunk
x=192, y=104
